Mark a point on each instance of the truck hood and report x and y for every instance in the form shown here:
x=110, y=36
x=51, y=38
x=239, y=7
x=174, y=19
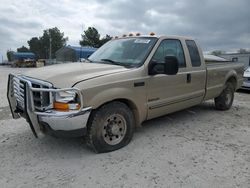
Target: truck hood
x=66, y=75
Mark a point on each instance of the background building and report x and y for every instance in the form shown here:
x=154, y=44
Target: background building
x=238, y=57
x=73, y=53
x=20, y=56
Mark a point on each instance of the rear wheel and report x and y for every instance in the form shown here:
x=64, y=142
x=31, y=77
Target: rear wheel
x=110, y=127
x=225, y=100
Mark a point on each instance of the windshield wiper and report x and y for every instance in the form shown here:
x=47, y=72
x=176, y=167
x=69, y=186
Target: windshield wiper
x=113, y=62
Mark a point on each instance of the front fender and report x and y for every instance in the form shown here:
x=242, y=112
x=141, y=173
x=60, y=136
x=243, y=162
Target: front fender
x=137, y=99
x=98, y=95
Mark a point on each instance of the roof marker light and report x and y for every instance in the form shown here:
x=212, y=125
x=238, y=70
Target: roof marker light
x=152, y=34
x=130, y=34
x=138, y=34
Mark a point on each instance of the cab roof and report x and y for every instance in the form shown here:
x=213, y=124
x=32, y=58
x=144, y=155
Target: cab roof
x=160, y=36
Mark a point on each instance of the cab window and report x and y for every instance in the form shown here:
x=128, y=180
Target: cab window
x=170, y=47
x=194, y=53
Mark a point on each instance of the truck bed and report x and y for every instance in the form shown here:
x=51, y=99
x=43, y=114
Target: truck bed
x=218, y=72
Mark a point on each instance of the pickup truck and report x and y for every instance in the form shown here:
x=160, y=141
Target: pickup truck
x=125, y=82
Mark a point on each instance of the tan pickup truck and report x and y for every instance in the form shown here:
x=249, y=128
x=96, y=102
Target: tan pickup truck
x=125, y=82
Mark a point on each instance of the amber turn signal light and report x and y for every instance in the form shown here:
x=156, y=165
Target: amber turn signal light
x=65, y=106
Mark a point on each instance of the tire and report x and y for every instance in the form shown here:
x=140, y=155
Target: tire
x=225, y=100
x=111, y=127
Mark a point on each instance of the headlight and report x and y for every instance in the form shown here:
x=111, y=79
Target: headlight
x=66, y=100
x=65, y=96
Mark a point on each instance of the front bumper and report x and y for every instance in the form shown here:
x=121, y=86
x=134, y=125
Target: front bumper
x=56, y=120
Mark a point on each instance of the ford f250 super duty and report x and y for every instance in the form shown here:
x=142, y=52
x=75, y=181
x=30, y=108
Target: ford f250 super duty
x=125, y=82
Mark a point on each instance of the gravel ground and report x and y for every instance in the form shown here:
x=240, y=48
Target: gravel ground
x=197, y=147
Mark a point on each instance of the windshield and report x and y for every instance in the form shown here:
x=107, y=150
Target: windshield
x=128, y=52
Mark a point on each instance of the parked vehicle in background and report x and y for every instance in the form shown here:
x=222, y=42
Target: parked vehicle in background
x=40, y=62
x=24, y=63
x=125, y=82
x=246, y=80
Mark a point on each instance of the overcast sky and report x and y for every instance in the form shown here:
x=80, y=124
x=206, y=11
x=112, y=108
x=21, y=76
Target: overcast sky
x=216, y=24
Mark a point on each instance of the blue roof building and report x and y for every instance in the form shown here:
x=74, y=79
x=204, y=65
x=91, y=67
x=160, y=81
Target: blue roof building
x=22, y=55
x=74, y=53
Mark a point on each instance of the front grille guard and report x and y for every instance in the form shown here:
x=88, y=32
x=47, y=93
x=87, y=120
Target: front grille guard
x=29, y=112
x=52, y=91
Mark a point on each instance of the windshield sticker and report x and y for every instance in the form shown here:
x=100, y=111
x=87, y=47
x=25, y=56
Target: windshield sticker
x=143, y=41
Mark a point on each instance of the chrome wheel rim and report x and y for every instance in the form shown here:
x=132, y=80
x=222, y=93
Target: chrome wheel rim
x=114, y=129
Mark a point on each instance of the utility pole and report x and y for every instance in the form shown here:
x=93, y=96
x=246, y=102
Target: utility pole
x=50, y=39
x=81, y=46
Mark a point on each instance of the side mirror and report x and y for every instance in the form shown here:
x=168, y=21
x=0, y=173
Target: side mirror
x=171, y=65
x=156, y=68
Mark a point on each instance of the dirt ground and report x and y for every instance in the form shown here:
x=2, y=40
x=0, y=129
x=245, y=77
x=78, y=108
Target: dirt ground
x=197, y=147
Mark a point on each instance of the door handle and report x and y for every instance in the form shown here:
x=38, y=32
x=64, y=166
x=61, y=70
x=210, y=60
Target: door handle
x=189, y=78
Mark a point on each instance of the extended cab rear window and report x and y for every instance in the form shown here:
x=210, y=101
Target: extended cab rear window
x=194, y=53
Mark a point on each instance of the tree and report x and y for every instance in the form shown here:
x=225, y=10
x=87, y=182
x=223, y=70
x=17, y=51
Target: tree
x=36, y=47
x=41, y=46
x=91, y=37
x=217, y=52
x=105, y=39
x=8, y=54
x=57, y=40
x=22, y=49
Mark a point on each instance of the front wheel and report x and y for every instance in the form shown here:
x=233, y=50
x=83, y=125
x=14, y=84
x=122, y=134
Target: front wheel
x=110, y=127
x=225, y=100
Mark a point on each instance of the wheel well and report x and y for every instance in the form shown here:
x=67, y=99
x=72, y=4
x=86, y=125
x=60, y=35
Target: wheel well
x=232, y=80
x=133, y=107
x=130, y=104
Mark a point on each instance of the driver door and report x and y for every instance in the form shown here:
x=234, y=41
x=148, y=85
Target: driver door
x=169, y=93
